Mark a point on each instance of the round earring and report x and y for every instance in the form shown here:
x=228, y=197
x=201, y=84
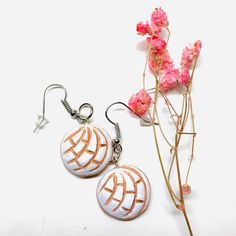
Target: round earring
x=86, y=149
x=124, y=191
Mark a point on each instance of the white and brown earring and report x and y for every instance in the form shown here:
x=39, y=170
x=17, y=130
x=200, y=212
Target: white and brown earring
x=86, y=149
x=124, y=191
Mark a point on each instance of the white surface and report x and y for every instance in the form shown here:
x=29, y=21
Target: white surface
x=91, y=156
x=91, y=47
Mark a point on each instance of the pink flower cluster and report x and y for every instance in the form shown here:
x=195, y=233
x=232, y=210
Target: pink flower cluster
x=158, y=20
x=143, y=28
x=140, y=102
x=160, y=61
x=190, y=53
x=159, y=58
x=168, y=79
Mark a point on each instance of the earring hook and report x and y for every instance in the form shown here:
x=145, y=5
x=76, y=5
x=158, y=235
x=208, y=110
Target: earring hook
x=123, y=104
x=42, y=121
x=78, y=115
x=117, y=148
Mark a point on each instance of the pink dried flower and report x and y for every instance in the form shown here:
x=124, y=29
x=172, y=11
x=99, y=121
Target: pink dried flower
x=186, y=189
x=167, y=62
x=190, y=53
x=140, y=102
x=168, y=79
x=159, y=58
x=156, y=30
x=143, y=28
x=157, y=44
x=159, y=61
x=154, y=62
x=184, y=77
x=159, y=18
x=198, y=46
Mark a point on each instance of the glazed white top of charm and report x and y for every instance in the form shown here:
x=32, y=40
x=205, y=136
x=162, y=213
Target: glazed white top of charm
x=124, y=192
x=86, y=150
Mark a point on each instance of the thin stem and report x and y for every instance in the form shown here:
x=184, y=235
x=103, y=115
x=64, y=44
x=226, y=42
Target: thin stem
x=179, y=132
x=191, y=78
x=188, y=223
x=177, y=139
x=171, y=166
x=188, y=90
x=158, y=74
x=162, y=166
x=168, y=102
x=178, y=169
x=162, y=132
x=193, y=139
x=183, y=116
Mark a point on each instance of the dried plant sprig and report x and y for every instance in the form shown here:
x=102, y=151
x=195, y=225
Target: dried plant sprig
x=167, y=78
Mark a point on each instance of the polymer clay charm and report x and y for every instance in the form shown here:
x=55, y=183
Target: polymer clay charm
x=124, y=192
x=86, y=150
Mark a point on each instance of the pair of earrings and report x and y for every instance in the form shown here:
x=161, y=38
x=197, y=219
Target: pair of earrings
x=124, y=191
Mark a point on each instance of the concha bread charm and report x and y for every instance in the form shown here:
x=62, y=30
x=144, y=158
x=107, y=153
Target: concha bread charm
x=124, y=192
x=86, y=151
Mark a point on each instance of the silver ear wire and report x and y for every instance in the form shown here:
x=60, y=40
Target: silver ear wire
x=42, y=121
x=144, y=121
x=117, y=148
x=78, y=115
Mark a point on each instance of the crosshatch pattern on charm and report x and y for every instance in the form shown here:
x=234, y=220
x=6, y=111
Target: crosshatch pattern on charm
x=124, y=192
x=86, y=150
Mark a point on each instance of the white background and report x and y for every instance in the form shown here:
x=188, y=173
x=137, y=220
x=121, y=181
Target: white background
x=92, y=48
